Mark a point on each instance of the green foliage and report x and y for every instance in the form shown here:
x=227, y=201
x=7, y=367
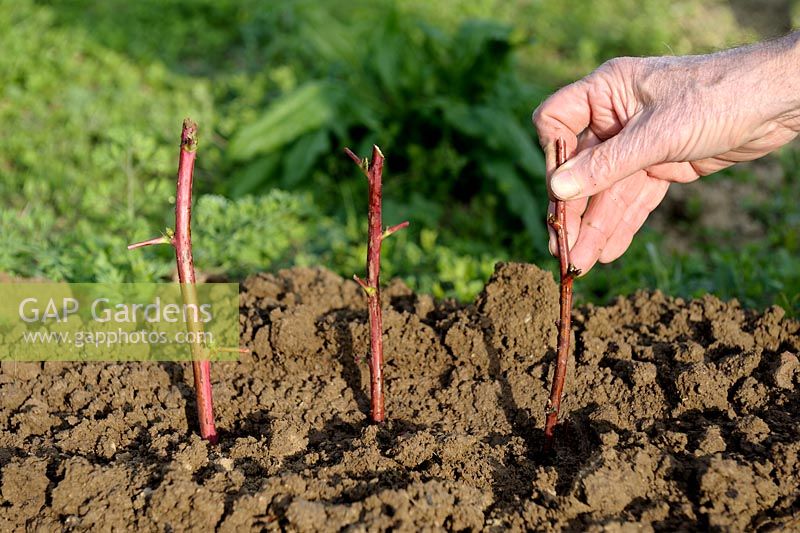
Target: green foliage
x=85, y=135
x=447, y=108
x=572, y=37
x=299, y=113
x=427, y=265
x=250, y=234
x=92, y=95
x=69, y=105
x=760, y=272
x=755, y=274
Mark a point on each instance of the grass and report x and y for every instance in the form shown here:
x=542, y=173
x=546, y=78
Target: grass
x=94, y=92
x=758, y=271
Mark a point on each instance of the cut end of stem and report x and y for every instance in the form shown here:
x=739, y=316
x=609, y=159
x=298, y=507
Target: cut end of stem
x=189, y=135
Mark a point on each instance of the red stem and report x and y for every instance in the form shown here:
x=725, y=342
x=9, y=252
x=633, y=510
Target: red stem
x=374, y=176
x=186, y=276
x=558, y=221
x=371, y=286
x=182, y=242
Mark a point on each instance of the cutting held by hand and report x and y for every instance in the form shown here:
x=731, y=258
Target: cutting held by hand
x=558, y=221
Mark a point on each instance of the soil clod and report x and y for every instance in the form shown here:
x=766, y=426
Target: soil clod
x=680, y=415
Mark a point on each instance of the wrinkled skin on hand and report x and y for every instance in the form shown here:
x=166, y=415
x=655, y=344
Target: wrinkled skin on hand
x=635, y=125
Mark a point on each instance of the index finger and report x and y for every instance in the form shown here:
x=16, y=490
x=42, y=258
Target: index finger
x=565, y=114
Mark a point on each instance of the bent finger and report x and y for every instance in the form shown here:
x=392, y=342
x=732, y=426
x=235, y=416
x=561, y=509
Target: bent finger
x=674, y=172
x=633, y=221
x=564, y=114
x=594, y=170
x=575, y=208
x=602, y=217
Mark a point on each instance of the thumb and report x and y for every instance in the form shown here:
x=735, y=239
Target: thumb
x=599, y=167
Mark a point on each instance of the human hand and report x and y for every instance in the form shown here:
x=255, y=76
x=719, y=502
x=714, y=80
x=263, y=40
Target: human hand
x=635, y=125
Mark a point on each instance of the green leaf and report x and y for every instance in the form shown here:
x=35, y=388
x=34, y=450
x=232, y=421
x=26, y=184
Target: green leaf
x=305, y=109
x=520, y=200
x=302, y=156
x=505, y=134
x=481, y=46
x=499, y=129
x=460, y=116
x=255, y=174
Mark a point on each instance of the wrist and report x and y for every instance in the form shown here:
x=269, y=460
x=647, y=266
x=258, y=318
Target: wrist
x=776, y=73
x=789, y=72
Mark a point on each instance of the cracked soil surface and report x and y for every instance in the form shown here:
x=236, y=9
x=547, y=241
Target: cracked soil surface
x=677, y=415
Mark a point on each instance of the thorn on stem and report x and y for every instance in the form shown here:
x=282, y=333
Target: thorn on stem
x=363, y=164
x=573, y=271
x=353, y=156
x=552, y=219
x=367, y=289
x=237, y=350
x=150, y=242
x=394, y=229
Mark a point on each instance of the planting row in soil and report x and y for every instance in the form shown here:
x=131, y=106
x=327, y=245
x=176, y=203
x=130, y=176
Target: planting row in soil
x=678, y=414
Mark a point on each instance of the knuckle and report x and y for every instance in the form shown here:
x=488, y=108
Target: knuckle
x=620, y=64
x=536, y=116
x=541, y=123
x=634, y=216
x=610, y=64
x=539, y=115
x=600, y=166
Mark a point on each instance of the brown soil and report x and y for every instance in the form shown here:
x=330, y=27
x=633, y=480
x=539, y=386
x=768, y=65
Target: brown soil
x=677, y=415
